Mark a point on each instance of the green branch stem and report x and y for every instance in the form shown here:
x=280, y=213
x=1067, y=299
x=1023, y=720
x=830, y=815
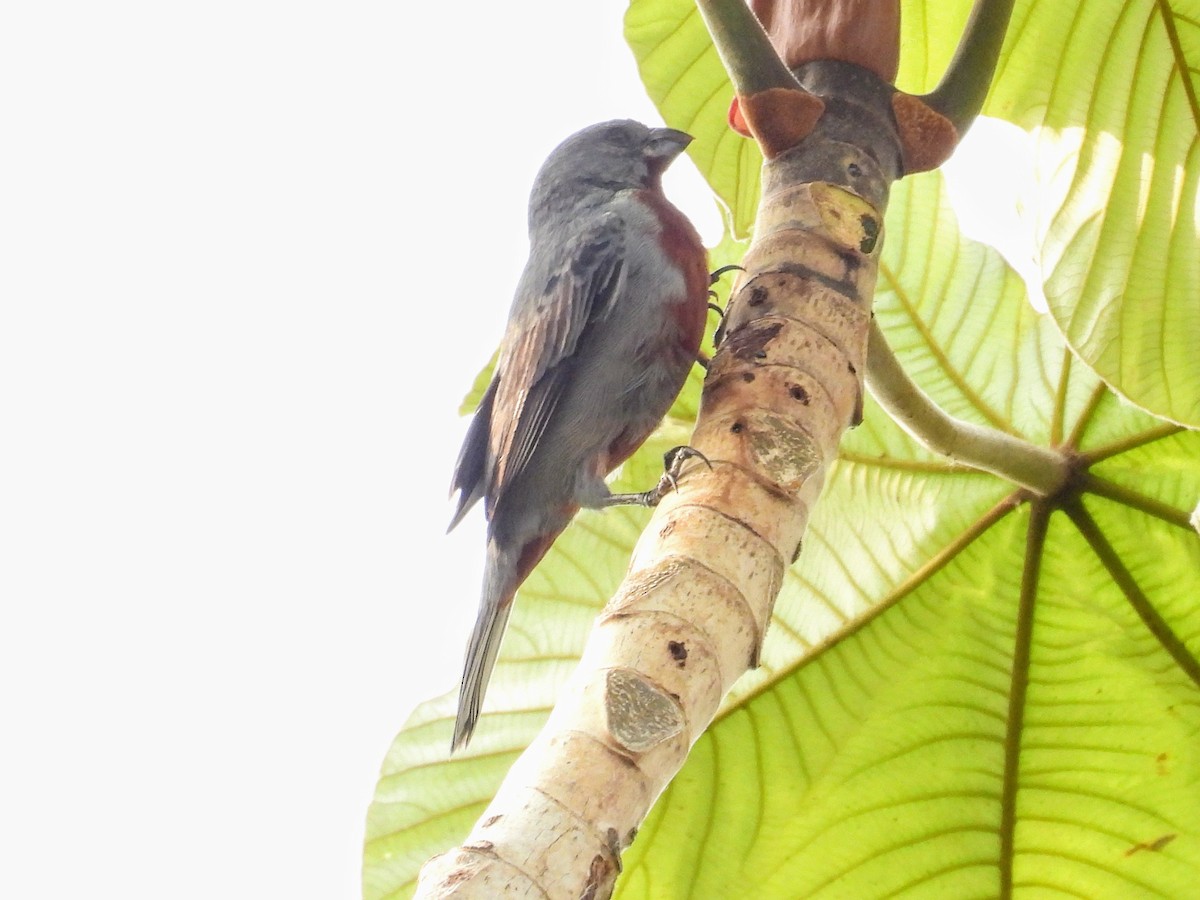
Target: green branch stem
x=744, y=48
x=963, y=88
x=1038, y=469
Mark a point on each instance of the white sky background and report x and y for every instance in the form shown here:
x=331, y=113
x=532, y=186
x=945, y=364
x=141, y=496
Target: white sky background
x=252, y=255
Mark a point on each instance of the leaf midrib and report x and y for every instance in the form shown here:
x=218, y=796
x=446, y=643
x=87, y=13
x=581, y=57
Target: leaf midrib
x=1181, y=63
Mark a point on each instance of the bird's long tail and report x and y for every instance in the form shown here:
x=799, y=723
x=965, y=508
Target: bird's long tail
x=500, y=581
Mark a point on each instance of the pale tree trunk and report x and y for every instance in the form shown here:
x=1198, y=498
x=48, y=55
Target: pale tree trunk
x=785, y=383
x=690, y=616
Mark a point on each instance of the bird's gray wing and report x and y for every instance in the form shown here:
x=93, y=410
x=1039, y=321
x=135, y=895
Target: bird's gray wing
x=567, y=284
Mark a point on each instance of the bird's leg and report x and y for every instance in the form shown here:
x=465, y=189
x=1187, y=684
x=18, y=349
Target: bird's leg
x=673, y=461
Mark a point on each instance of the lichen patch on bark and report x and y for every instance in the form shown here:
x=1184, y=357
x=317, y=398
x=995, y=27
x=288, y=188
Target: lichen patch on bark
x=640, y=716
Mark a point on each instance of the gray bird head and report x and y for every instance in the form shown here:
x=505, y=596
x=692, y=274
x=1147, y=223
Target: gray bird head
x=600, y=160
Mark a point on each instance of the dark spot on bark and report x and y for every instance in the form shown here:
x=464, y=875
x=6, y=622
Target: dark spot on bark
x=629, y=837
x=850, y=366
x=458, y=876
x=854, y=170
x=737, y=427
x=851, y=261
x=747, y=377
x=480, y=846
x=798, y=393
x=761, y=354
x=750, y=339
x=796, y=552
x=628, y=763
x=491, y=820
x=614, y=845
x=678, y=652
x=870, y=229
x=598, y=873
x=757, y=296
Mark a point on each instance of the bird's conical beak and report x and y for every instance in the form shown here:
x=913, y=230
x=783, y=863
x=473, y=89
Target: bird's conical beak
x=664, y=144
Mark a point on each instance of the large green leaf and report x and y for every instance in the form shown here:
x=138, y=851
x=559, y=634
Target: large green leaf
x=1109, y=90
x=919, y=725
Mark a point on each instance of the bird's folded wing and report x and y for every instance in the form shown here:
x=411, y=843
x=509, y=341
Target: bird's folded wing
x=562, y=291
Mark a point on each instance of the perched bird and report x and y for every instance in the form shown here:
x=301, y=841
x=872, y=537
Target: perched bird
x=606, y=323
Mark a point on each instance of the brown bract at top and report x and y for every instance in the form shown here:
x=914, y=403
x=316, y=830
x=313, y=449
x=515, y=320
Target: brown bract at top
x=927, y=138
x=861, y=33
x=864, y=32
x=778, y=118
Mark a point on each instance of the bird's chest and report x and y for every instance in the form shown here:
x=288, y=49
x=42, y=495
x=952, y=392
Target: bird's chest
x=678, y=259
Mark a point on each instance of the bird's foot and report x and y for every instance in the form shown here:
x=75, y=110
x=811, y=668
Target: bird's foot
x=673, y=461
x=719, y=334
x=715, y=276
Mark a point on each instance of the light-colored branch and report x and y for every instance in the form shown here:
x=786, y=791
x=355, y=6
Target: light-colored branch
x=1039, y=469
